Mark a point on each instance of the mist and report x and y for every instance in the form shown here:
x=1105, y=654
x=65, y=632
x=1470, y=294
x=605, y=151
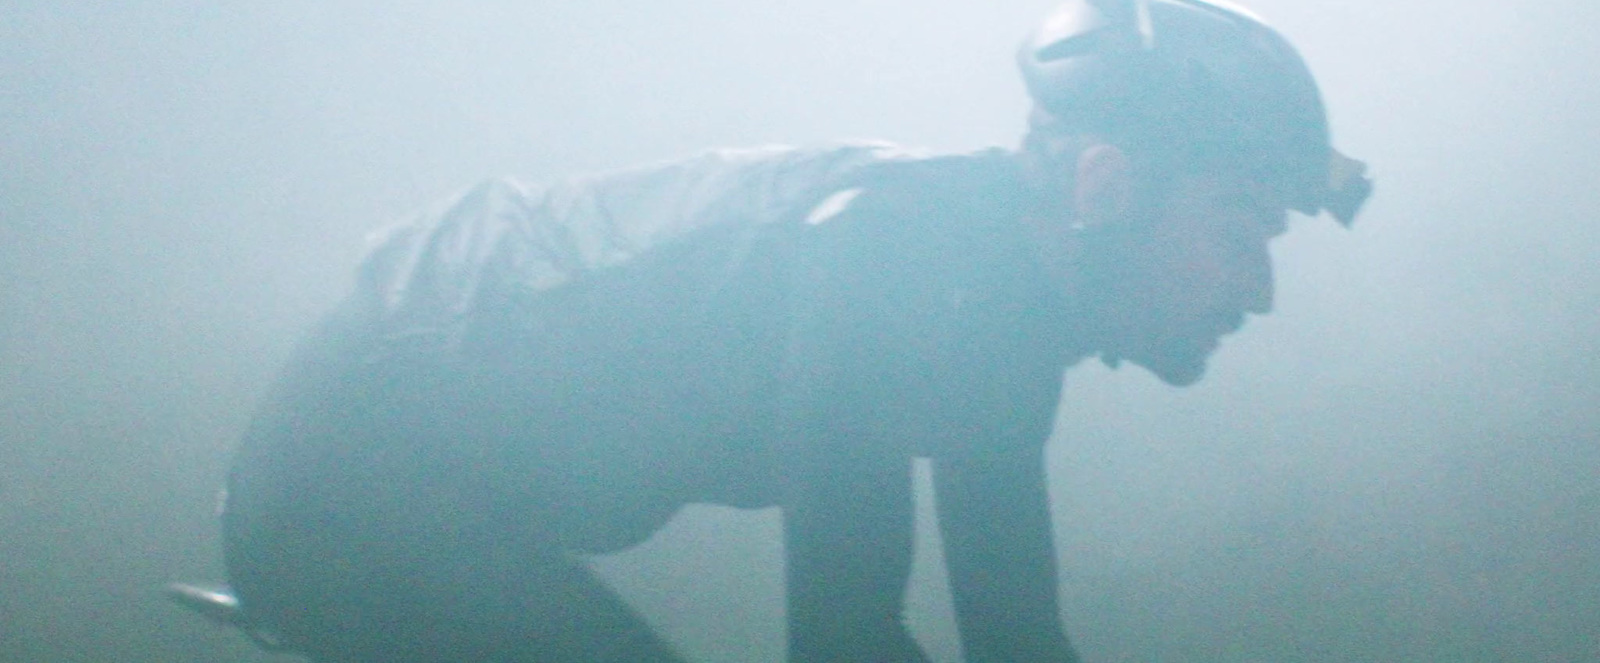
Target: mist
x=1401, y=463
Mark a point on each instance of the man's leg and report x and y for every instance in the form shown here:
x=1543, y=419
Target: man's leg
x=346, y=596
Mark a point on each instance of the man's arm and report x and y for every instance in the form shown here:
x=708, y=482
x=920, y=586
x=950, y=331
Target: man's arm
x=994, y=515
x=848, y=534
x=845, y=482
x=845, y=472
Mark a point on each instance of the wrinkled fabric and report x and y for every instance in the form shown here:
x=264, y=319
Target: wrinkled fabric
x=429, y=273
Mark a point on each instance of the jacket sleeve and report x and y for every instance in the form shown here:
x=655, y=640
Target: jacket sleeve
x=845, y=475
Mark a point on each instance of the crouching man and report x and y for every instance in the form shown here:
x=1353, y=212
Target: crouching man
x=528, y=375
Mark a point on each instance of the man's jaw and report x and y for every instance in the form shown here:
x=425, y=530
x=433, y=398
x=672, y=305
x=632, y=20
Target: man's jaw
x=1179, y=367
x=1176, y=360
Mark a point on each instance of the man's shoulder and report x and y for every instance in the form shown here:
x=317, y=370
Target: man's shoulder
x=926, y=189
x=734, y=184
x=777, y=179
x=954, y=201
x=910, y=239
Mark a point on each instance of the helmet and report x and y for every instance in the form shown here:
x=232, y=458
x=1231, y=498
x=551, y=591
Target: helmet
x=1208, y=79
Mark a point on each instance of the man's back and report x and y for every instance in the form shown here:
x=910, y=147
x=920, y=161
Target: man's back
x=544, y=367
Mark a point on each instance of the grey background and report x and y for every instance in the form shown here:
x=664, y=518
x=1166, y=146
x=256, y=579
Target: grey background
x=1399, y=465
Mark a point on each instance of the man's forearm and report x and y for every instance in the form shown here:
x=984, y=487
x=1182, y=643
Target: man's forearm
x=994, y=515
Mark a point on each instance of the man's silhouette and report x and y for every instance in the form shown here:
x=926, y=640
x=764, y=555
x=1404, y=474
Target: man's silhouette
x=527, y=375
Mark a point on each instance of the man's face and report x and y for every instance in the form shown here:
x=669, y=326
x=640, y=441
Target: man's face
x=1189, y=272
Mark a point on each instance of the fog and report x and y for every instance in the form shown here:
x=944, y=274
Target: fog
x=1402, y=463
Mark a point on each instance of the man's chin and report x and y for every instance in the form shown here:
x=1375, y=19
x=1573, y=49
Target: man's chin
x=1178, y=370
x=1181, y=375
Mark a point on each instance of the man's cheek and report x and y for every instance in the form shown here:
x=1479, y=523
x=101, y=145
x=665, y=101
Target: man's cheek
x=1191, y=277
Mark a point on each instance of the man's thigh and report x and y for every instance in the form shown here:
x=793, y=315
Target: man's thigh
x=373, y=517
x=460, y=603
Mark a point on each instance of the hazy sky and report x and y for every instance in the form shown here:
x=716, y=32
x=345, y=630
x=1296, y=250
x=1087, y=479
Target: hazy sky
x=1400, y=464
